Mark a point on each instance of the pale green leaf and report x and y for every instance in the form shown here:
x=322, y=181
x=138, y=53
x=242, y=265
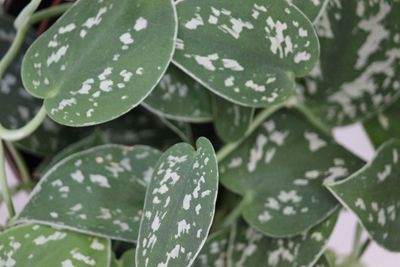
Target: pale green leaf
x=311, y=8
x=231, y=121
x=249, y=247
x=99, y=191
x=281, y=168
x=214, y=252
x=127, y=260
x=372, y=194
x=248, y=52
x=38, y=246
x=179, y=97
x=93, y=64
x=359, y=70
x=179, y=206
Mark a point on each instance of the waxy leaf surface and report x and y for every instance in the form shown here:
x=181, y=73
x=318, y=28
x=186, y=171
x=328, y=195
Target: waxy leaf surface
x=282, y=167
x=373, y=195
x=214, y=252
x=38, y=246
x=311, y=8
x=94, y=64
x=179, y=206
x=279, y=43
x=99, y=191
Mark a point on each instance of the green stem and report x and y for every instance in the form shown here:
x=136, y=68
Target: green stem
x=22, y=21
x=237, y=211
x=364, y=247
x=312, y=118
x=260, y=118
x=19, y=162
x=49, y=13
x=4, y=185
x=28, y=129
x=357, y=241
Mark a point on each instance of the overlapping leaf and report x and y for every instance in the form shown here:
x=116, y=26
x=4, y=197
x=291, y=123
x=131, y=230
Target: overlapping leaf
x=179, y=97
x=251, y=248
x=280, y=168
x=37, y=246
x=311, y=8
x=179, y=206
x=373, y=195
x=214, y=252
x=278, y=40
x=127, y=260
x=322, y=262
x=99, y=191
x=93, y=64
x=231, y=121
x=359, y=70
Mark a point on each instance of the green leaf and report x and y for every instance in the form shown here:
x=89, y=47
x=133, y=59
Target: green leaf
x=322, y=262
x=385, y=125
x=281, y=168
x=372, y=194
x=213, y=254
x=249, y=247
x=37, y=246
x=127, y=260
x=231, y=121
x=179, y=206
x=279, y=43
x=99, y=191
x=359, y=70
x=311, y=8
x=182, y=129
x=93, y=64
x=17, y=106
x=179, y=97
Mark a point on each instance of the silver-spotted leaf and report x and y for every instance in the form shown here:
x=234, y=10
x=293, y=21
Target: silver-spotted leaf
x=99, y=191
x=179, y=206
x=248, y=52
x=179, y=97
x=93, y=64
x=359, y=70
x=282, y=167
x=311, y=8
x=38, y=246
x=248, y=247
x=372, y=194
x=214, y=252
x=384, y=126
x=126, y=260
x=231, y=121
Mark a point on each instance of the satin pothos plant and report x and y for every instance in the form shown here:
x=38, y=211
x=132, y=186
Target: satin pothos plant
x=198, y=133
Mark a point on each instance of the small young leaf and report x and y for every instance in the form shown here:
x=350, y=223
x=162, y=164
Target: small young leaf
x=251, y=248
x=93, y=64
x=179, y=206
x=38, y=245
x=372, y=194
x=385, y=125
x=213, y=254
x=231, y=121
x=359, y=69
x=282, y=167
x=248, y=52
x=127, y=260
x=311, y=8
x=98, y=191
x=179, y=97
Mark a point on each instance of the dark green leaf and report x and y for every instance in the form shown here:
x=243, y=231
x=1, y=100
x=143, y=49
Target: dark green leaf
x=214, y=252
x=311, y=8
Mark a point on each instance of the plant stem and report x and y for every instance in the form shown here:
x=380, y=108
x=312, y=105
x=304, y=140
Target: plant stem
x=237, y=211
x=260, y=118
x=312, y=118
x=22, y=21
x=20, y=163
x=28, y=129
x=4, y=185
x=357, y=241
x=49, y=13
x=364, y=247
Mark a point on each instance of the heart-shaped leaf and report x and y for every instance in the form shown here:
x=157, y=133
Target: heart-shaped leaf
x=385, y=125
x=359, y=70
x=279, y=43
x=231, y=121
x=99, y=191
x=179, y=97
x=127, y=260
x=179, y=206
x=280, y=169
x=37, y=245
x=311, y=8
x=93, y=64
x=214, y=252
x=373, y=195
x=251, y=248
